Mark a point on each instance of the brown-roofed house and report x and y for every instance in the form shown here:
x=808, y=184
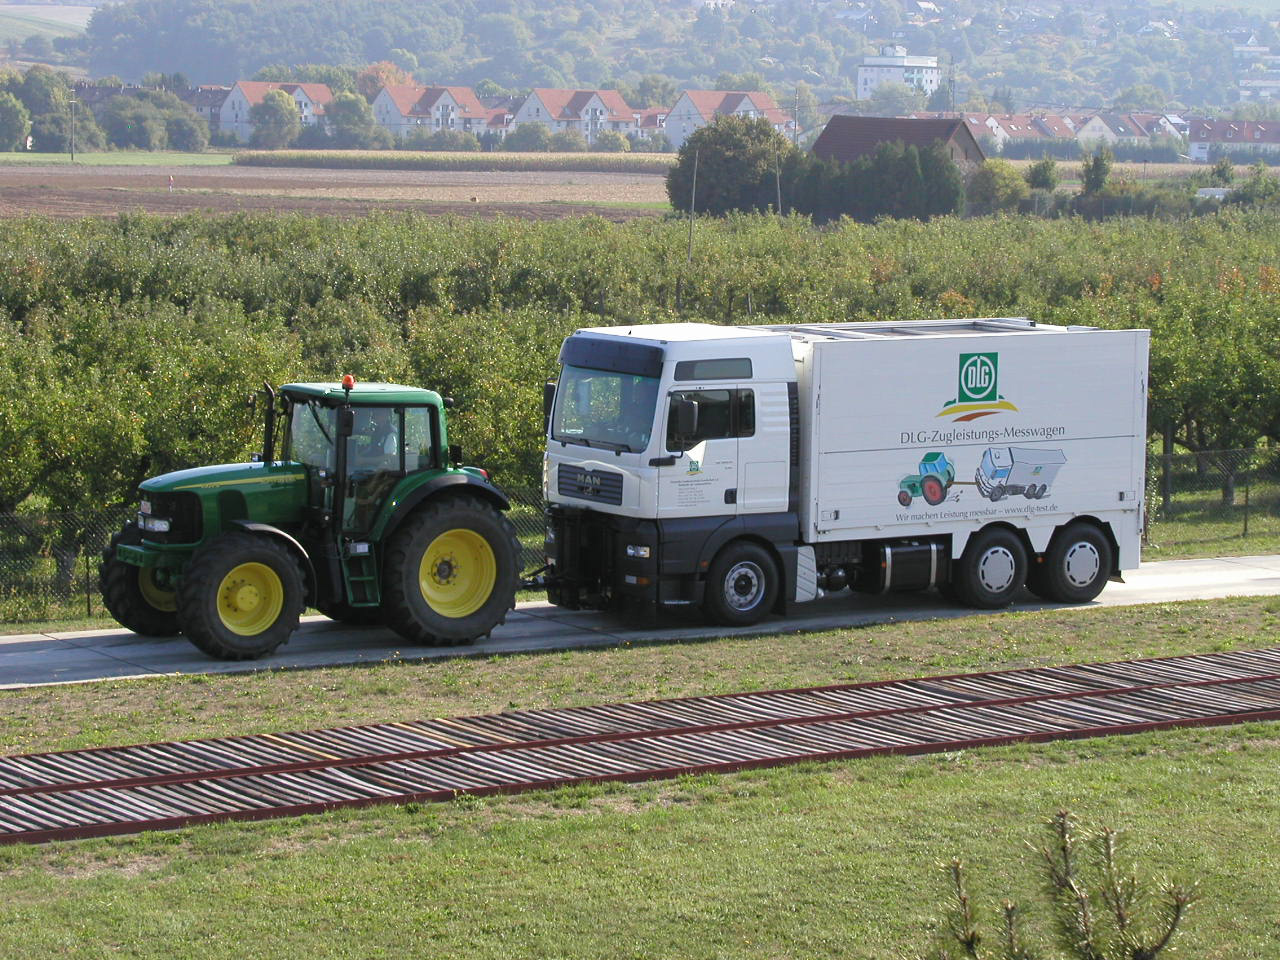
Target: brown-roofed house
x=848, y=138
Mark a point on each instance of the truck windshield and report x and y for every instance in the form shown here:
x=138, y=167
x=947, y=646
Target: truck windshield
x=311, y=432
x=601, y=408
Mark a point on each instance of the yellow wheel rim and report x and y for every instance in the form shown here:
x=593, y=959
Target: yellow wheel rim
x=457, y=573
x=250, y=599
x=166, y=601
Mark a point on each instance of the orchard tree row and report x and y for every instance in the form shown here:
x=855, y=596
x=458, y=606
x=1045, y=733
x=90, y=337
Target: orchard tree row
x=136, y=341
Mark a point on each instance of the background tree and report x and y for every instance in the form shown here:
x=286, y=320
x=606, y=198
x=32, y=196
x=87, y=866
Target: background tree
x=133, y=123
x=610, y=141
x=894, y=99
x=371, y=80
x=996, y=186
x=1095, y=170
x=1043, y=174
x=528, y=137
x=275, y=121
x=350, y=121
x=51, y=132
x=738, y=158
x=567, y=141
x=15, y=123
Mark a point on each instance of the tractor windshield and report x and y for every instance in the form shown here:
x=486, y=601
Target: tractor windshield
x=311, y=433
x=601, y=408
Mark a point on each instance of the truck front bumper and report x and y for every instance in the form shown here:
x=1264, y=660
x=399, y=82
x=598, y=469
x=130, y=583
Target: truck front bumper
x=599, y=561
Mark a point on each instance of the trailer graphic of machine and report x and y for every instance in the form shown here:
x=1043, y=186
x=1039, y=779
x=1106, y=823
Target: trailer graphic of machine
x=1008, y=471
x=935, y=478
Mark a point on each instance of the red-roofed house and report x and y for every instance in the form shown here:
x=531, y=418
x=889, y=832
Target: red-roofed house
x=1208, y=136
x=311, y=99
x=590, y=112
x=697, y=108
x=405, y=108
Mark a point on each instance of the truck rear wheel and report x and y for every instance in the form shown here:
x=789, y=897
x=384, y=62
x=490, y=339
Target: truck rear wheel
x=1075, y=567
x=132, y=594
x=991, y=570
x=451, y=572
x=241, y=596
x=742, y=585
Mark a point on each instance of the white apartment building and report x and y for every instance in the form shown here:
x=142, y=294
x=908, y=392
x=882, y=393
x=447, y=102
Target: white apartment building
x=894, y=66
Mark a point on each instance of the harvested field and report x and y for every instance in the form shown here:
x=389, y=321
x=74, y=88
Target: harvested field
x=73, y=191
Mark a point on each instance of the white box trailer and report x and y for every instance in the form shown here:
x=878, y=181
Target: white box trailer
x=745, y=468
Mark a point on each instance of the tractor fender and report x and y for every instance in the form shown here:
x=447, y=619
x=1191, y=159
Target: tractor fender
x=266, y=529
x=454, y=482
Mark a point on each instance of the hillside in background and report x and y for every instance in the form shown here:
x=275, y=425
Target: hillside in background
x=1084, y=53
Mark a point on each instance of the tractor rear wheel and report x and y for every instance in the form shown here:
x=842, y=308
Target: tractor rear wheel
x=241, y=596
x=933, y=490
x=132, y=594
x=451, y=572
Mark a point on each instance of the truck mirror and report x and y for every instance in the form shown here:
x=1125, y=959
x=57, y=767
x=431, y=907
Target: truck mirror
x=455, y=453
x=346, y=421
x=686, y=412
x=548, y=401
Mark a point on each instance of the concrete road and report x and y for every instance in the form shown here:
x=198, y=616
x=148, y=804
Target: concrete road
x=84, y=656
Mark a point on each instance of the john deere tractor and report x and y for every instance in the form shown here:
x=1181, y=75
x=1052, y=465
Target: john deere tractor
x=359, y=507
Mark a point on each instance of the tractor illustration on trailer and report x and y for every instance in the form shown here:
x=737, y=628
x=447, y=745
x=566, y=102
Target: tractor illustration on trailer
x=935, y=477
x=1008, y=471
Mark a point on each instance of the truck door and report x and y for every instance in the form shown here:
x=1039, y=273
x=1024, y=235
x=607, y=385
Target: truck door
x=698, y=472
x=764, y=448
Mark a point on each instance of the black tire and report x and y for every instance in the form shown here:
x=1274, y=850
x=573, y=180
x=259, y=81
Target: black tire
x=991, y=570
x=352, y=616
x=420, y=573
x=1076, y=566
x=933, y=490
x=742, y=585
x=131, y=594
x=998, y=493
x=241, y=596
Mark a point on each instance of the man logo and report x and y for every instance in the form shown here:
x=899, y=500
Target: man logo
x=977, y=393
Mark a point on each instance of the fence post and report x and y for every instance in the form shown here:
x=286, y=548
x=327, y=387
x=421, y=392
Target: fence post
x=88, y=595
x=1166, y=472
x=1246, y=505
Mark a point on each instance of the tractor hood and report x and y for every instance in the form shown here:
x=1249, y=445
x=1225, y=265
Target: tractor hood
x=245, y=476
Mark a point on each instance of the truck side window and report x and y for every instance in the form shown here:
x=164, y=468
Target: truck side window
x=721, y=414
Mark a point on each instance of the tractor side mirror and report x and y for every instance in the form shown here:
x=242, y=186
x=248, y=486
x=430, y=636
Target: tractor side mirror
x=455, y=454
x=548, y=402
x=686, y=413
x=346, y=421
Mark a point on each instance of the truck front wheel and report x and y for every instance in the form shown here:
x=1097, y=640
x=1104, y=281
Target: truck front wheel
x=241, y=596
x=132, y=595
x=451, y=572
x=991, y=570
x=1075, y=567
x=742, y=585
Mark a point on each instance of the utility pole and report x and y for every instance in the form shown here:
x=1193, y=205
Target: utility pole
x=795, y=122
x=74, y=101
x=693, y=194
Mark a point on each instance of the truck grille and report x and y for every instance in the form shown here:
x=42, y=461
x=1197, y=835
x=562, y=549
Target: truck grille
x=603, y=486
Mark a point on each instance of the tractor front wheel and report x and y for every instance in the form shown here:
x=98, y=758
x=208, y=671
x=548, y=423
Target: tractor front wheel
x=451, y=572
x=241, y=596
x=132, y=595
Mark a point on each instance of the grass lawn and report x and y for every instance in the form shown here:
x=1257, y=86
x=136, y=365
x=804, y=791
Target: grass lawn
x=834, y=860
x=122, y=158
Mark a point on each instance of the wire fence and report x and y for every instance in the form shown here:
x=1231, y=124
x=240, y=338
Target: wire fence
x=1218, y=500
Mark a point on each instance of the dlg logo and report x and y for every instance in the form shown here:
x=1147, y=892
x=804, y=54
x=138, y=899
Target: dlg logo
x=978, y=390
x=977, y=377
x=694, y=466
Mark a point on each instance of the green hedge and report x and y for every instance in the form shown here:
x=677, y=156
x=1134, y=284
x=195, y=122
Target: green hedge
x=655, y=163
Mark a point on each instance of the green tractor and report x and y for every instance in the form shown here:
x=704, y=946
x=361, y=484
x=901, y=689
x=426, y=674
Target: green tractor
x=932, y=482
x=364, y=514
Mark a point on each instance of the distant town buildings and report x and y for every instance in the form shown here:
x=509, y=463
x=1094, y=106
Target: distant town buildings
x=697, y=108
x=895, y=66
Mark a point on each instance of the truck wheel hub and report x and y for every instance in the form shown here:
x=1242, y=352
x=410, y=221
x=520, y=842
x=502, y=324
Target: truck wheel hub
x=996, y=570
x=743, y=586
x=1082, y=564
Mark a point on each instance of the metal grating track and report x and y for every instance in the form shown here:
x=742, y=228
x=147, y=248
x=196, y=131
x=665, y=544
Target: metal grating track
x=164, y=785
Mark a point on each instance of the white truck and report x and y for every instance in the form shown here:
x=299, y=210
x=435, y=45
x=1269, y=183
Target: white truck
x=742, y=469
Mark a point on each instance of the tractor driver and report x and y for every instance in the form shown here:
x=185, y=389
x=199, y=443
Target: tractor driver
x=374, y=464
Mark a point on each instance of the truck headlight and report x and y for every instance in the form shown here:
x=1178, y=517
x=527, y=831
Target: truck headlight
x=634, y=550
x=153, y=524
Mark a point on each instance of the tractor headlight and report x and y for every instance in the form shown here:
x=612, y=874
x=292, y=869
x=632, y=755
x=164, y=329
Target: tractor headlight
x=638, y=551
x=153, y=524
